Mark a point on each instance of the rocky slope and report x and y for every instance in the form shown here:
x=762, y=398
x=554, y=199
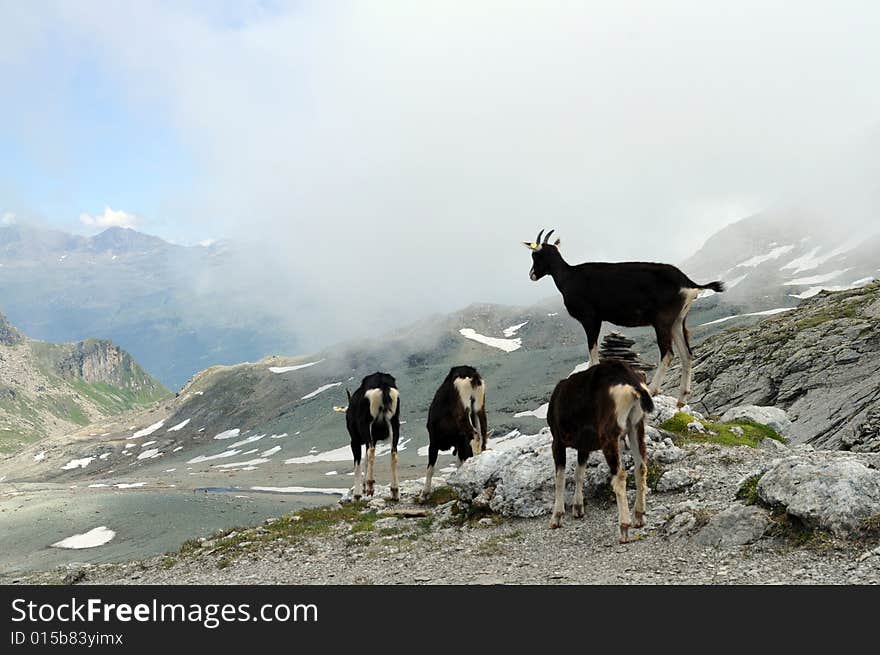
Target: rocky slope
x=49, y=389
x=821, y=363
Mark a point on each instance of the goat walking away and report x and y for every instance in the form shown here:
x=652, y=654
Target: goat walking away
x=457, y=418
x=373, y=414
x=630, y=294
x=593, y=410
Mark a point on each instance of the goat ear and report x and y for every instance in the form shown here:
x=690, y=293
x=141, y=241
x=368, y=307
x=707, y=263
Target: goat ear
x=558, y=241
x=531, y=245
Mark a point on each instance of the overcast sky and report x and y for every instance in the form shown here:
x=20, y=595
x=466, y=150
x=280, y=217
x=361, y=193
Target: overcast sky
x=394, y=153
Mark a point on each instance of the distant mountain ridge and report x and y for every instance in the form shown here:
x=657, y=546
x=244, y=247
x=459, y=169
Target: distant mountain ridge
x=173, y=307
x=779, y=258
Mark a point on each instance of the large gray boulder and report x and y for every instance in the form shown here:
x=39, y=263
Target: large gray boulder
x=735, y=526
x=831, y=493
x=772, y=417
x=518, y=478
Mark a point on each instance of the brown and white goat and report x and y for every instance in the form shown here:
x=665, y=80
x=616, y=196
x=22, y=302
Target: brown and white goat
x=631, y=294
x=457, y=418
x=591, y=411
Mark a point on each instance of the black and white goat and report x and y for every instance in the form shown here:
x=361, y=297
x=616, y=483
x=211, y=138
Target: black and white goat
x=373, y=414
x=630, y=294
x=457, y=418
x=593, y=410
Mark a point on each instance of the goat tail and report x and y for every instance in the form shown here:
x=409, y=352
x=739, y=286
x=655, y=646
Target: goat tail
x=645, y=399
x=717, y=286
x=386, y=398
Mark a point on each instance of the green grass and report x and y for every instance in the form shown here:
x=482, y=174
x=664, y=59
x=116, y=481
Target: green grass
x=748, y=491
x=114, y=400
x=440, y=496
x=753, y=433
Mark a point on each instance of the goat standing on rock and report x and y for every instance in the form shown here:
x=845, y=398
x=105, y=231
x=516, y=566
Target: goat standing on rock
x=630, y=294
x=457, y=418
x=591, y=411
x=373, y=414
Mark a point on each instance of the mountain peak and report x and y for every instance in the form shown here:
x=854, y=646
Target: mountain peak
x=125, y=239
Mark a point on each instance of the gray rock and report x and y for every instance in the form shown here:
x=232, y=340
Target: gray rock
x=846, y=356
x=523, y=477
x=664, y=452
x=676, y=479
x=735, y=526
x=388, y=522
x=772, y=417
x=665, y=407
x=832, y=493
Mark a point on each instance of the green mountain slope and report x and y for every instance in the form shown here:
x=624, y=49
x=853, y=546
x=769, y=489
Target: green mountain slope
x=49, y=389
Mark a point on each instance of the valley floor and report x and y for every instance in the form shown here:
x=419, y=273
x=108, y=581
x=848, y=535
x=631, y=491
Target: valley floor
x=367, y=547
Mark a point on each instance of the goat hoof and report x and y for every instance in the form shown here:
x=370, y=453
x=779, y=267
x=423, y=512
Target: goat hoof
x=639, y=521
x=395, y=493
x=623, y=537
x=577, y=511
x=556, y=521
x=357, y=497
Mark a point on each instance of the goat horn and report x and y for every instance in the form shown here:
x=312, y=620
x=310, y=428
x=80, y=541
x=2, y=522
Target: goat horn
x=547, y=238
x=538, y=240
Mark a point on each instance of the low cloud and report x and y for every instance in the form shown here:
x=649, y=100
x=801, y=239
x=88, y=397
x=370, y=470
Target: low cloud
x=8, y=218
x=110, y=218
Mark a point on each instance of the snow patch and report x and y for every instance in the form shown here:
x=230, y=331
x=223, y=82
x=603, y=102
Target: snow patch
x=148, y=430
x=40, y=456
x=540, y=413
x=91, y=539
x=179, y=426
x=77, y=463
x=816, y=279
x=150, y=454
x=250, y=462
x=228, y=434
x=580, y=368
x=287, y=369
x=130, y=485
x=776, y=253
x=207, y=458
x=513, y=329
x=507, y=345
x=270, y=452
x=321, y=389
x=250, y=439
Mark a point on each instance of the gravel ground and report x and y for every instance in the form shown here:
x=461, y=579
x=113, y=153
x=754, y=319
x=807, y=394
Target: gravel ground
x=495, y=550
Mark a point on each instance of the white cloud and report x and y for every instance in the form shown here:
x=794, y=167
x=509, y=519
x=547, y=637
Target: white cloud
x=7, y=219
x=110, y=218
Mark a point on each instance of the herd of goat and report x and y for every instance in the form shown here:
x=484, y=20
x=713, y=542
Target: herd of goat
x=591, y=410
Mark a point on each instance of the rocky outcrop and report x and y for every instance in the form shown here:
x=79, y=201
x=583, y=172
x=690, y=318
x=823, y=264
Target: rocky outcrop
x=97, y=360
x=831, y=492
x=9, y=334
x=820, y=363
